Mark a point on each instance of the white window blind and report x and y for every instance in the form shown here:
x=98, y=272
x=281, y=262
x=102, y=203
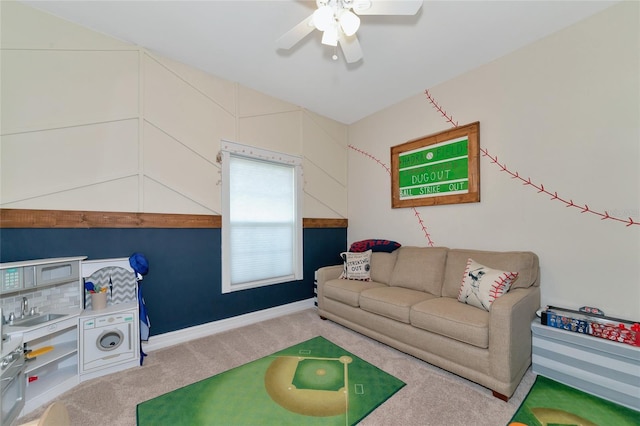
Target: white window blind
x=262, y=221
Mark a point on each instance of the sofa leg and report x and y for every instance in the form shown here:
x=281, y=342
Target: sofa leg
x=501, y=396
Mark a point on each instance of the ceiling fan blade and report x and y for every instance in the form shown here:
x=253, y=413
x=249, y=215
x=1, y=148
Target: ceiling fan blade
x=387, y=7
x=350, y=48
x=295, y=34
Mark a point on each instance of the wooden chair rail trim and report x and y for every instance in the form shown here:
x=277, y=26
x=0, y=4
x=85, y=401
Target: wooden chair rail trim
x=25, y=218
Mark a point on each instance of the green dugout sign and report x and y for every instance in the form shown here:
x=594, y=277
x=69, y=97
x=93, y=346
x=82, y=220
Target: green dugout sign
x=442, y=168
x=435, y=170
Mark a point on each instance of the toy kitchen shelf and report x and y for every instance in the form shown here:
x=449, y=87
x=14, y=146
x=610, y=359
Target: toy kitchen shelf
x=56, y=371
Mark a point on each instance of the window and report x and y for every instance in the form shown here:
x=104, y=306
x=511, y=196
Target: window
x=261, y=217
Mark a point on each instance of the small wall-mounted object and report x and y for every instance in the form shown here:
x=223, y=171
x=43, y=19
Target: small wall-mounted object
x=443, y=168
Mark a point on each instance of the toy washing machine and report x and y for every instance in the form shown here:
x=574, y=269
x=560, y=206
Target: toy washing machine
x=110, y=337
x=109, y=342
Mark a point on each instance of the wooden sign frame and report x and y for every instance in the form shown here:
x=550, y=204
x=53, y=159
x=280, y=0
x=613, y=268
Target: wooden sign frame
x=443, y=168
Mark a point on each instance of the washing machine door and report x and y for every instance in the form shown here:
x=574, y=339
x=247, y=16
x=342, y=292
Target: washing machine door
x=109, y=340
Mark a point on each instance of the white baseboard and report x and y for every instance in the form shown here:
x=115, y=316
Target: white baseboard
x=180, y=336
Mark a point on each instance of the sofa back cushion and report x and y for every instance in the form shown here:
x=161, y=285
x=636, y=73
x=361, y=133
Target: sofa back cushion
x=420, y=268
x=382, y=266
x=525, y=263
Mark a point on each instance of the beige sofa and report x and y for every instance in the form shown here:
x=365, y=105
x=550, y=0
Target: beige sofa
x=411, y=304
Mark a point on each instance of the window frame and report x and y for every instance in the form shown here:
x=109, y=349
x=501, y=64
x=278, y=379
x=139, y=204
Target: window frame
x=229, y=149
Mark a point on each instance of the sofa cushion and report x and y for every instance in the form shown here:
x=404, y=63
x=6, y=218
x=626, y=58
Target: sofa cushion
x=374, y=245
x=348, y=291
x=450, y=318
x=525, y=263
x=482, y=285
x=382, y=266
x=391, y=302
x=420, y=268
x=357, y=266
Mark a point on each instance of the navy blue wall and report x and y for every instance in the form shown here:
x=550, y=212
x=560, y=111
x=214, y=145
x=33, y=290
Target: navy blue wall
x=183, y=286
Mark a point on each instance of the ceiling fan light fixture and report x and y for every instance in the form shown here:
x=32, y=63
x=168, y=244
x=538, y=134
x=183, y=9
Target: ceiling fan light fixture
x=349, y=22
x=323, y=18
x=330, y=36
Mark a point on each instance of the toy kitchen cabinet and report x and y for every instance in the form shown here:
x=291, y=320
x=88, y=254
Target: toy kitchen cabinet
x=48, y=322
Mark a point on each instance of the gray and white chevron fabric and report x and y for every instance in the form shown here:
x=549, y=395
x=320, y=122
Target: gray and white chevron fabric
x=124, y=285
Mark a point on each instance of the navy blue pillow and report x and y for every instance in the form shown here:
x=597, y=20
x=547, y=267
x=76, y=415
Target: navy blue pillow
x=374, y=245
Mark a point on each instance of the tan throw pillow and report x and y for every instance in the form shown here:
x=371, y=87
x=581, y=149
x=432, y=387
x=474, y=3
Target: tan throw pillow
x=357, y=266
x=482, y=285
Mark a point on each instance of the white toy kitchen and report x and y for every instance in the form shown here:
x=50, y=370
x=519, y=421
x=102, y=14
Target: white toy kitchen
x=52, y=339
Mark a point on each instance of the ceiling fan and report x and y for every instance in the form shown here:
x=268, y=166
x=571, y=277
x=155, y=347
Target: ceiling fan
x=338, y=20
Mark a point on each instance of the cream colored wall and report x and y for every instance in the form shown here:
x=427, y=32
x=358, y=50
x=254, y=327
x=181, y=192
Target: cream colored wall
x=563, y=111
x=92, y=123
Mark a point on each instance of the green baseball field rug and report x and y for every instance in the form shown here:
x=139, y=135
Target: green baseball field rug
x=553, y=403
x=312, y=383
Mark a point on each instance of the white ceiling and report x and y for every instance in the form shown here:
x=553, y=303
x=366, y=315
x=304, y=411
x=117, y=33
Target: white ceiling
x=403, y=55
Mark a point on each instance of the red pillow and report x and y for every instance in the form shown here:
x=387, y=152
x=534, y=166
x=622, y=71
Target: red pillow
x=374, y=245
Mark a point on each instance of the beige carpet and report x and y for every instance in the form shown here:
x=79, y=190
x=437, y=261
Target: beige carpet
x=432, y=396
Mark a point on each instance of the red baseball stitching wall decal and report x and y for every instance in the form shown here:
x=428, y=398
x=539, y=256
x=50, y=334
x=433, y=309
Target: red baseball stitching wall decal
x=554, y=195
x=366, y=154
x=439, y=109
x=528, y=182
x=415, y=212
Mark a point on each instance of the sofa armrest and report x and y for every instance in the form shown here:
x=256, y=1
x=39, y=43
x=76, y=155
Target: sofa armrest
x=323, y=275
x=510, y=332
